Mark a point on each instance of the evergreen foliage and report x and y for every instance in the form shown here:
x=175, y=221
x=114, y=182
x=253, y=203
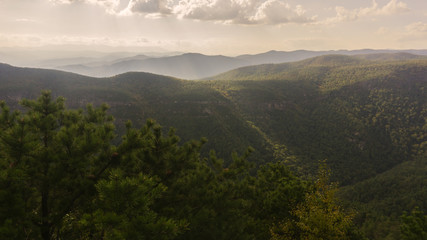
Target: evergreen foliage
x=319, y=216
x=62, y=178
x=414, y=226
x=51, y=159
x=382, y=199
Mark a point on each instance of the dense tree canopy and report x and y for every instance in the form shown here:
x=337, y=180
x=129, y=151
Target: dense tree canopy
x=51, y=158
x=414, y=225
x=62, y=178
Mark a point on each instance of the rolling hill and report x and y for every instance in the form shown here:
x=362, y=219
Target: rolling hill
x=332, y=102
x=194, y=109
x=365, y=114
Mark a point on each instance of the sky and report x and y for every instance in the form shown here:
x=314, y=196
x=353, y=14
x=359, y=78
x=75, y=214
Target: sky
x=226, y=27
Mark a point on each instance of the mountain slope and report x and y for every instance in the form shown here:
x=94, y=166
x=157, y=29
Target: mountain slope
x=317, y=66
x=292, y=56
x=194, y=109
x=382, y=199
x=365, y=115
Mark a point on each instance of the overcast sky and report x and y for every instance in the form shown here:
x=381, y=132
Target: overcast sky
x=227, y=27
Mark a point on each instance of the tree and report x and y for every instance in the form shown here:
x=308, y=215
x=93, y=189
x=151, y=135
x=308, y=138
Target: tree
x=122, y=210
x=413, y=226
x=201, y=192
x=318, y=217
x=51, y=159
x=62, y=178
x=275, y=192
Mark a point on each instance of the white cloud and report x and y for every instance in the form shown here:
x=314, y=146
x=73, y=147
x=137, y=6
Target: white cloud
x=391, y=8
x=25, y=20
x=61, y=1
x=276, y=12
x=414, y=34
x=238, y=11
x=109, y=5
x=11, y=40
x=343, y=15
x=148, y=7
x=220, y=10
x=226, y=11
x=417, y=28
x=31, y=40
x=242, y=11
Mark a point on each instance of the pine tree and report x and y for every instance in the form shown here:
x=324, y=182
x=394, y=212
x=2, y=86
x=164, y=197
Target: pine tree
x=276, y=191
x=123, y=210
x=61, y=178
x=200, y=192
x=51, y=159
x=318, y=217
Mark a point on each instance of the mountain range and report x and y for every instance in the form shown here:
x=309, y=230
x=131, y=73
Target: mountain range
x=195, y=66
x=365, y=114
x=185, y=66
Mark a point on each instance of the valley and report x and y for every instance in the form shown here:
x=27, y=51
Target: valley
x=365, y=115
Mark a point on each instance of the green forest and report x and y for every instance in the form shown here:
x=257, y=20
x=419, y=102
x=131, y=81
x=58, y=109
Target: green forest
x=61, y=178
x=332, y=147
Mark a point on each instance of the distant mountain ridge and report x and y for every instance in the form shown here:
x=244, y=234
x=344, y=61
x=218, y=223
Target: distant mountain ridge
x=196, y=66
x=185, y=66
x=285, y=70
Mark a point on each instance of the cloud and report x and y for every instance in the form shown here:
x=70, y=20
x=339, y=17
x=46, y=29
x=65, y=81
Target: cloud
x=148, y=7
x=109, y=5
x=61, y=1
x=242, y=11
x=276, y=12
x=417, y=28
x=218, y=10
x=225, y=11
x=237, y=11
x=34, y=40
x=414, y=33
x=391, y=8
x=25, y=20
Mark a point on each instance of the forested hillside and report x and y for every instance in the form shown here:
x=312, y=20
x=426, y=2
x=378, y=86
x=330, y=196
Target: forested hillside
x=194, y=109
x=62, y=178
x=366, y=118
x=364, y=115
